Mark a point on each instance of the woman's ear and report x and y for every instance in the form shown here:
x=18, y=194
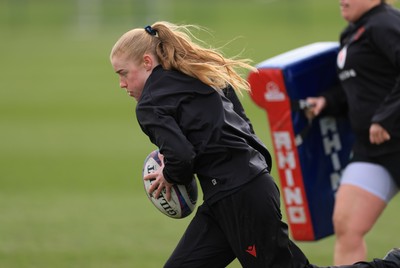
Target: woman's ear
x=148, y=62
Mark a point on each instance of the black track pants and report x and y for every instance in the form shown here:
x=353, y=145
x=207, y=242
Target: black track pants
x=246, y=225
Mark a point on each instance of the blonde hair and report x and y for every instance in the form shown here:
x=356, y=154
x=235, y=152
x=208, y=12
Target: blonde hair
x=175, y=49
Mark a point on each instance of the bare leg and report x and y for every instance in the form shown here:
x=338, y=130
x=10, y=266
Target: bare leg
x=356, y=211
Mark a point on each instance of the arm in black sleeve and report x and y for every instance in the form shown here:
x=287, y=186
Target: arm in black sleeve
x=230, y=93
x=388, y=114
x=386, y=38
x=163, y=131
x=336, y=101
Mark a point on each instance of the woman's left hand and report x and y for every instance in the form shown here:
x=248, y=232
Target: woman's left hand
x=377, y=134
x=159, y=183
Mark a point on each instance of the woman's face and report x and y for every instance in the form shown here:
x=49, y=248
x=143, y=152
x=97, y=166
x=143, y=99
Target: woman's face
x=132, y=77
x=352, y=10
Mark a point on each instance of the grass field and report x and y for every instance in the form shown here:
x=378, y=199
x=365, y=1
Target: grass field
x=70, y=149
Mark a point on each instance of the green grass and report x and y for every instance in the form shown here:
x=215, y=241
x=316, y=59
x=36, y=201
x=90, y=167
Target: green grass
x=71, y=152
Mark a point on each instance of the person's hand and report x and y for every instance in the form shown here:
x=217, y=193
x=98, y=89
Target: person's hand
x=315, y=106
x=159, y=183
x=377, y=134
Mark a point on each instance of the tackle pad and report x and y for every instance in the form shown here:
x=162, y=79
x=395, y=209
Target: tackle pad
x=310, y=154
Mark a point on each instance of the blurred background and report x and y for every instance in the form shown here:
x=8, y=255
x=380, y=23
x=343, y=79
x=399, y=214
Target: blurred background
x=71, y=151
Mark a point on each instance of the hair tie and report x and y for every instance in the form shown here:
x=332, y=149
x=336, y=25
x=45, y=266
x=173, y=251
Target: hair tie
x=150, y=30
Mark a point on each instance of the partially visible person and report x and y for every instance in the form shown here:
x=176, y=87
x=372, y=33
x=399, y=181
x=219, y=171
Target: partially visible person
x=368, y=67
x=188, y=107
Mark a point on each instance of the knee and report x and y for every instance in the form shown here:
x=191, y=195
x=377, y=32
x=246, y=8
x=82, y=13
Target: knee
x=347, y=226
x=344, y=225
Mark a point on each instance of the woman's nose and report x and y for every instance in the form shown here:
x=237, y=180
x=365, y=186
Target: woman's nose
x=122, y=84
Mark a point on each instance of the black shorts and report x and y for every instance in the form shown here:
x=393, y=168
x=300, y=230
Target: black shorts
x=246, y=225
x=391, y=162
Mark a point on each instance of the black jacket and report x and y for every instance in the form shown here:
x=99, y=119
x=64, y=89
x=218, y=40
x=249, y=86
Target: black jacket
x=202, y=131
x=369, y=71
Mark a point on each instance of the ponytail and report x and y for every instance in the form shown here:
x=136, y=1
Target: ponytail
x=175, y=50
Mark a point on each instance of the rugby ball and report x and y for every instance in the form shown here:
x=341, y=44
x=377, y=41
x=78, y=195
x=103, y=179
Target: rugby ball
x=183, y=197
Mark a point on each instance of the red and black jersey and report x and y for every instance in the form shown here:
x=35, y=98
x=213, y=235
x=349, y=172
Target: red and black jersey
x=368, y=67
x=201, y=131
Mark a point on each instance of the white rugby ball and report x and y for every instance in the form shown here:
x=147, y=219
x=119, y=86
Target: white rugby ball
x=183, y=197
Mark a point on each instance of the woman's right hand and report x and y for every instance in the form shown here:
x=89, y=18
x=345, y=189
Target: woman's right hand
x=377, y=134
x=315, y=106
x=159, y=183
